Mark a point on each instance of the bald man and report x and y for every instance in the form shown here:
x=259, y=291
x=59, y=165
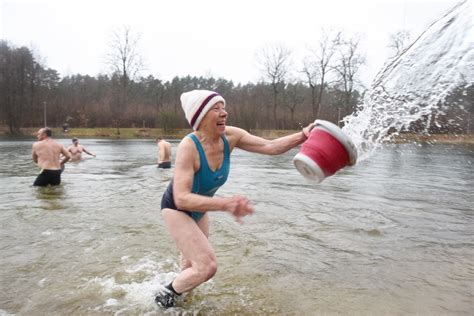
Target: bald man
x=46, y=154
x=164, y=153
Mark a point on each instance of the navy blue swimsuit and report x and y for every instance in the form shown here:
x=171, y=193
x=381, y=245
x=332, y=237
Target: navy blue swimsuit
x=206, y=182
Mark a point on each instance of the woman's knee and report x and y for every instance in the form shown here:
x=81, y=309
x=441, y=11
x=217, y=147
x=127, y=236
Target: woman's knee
x=207, y=268
x=211, y=269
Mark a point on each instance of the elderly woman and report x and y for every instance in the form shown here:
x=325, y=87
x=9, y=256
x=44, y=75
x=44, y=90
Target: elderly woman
x=202, y=165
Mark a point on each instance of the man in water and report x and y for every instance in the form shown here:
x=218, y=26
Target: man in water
x=46, y=153
x=164, y=153
x=76, y=150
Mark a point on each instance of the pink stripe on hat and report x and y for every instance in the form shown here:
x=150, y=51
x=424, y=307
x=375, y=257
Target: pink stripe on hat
x=204, y=103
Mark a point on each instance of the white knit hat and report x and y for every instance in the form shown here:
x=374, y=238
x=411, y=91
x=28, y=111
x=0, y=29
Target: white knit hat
x=197, y=103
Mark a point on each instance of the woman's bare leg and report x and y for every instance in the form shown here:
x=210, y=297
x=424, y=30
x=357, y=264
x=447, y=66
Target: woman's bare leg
x=192, y=241
x=204, y=226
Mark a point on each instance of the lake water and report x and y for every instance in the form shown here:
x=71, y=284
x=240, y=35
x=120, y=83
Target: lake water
x=393, y=235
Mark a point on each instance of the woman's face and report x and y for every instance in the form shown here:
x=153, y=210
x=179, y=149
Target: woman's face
x=216, y=117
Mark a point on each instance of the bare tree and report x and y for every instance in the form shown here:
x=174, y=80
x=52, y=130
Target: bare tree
x=348, y=65
x=317, y=65
x=125, y=62
x=123, y=57
x=399, y=41
x=275, y=64
x=295, y=96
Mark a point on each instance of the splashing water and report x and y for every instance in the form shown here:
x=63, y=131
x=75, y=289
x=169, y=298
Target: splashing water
x=413, y=85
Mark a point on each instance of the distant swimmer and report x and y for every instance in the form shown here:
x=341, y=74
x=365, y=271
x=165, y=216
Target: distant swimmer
x=46, y=154
x=76, y=150
x=164, y=153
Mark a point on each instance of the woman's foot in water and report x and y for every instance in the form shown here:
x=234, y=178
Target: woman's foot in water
x=165, y=299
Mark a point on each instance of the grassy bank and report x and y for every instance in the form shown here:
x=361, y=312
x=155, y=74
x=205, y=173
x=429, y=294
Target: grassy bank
x=152, y=133
x=435, y=138
x=105, y=132
x=130, y=133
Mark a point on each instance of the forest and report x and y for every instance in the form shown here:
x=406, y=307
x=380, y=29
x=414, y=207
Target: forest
x=325, y=87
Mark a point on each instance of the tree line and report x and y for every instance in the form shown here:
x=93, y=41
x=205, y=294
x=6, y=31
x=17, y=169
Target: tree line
x=33, y=95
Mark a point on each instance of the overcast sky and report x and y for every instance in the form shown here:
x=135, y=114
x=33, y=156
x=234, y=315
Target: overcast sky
x=206, y=37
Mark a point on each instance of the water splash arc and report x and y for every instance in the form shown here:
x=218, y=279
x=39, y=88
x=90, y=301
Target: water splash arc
x=413, y=84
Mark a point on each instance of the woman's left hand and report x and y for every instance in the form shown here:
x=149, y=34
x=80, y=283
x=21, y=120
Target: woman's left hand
x=307, y=130
x=240, y=207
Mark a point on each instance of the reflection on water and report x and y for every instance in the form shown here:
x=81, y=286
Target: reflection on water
x=51, y=196
x=392, y=235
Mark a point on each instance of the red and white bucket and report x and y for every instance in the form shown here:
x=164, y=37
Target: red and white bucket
x=326, y=151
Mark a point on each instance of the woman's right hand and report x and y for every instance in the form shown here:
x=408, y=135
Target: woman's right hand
x=239, y=206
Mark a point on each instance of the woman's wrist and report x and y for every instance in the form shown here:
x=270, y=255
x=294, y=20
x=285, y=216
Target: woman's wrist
x=306, y=131
x=303, y=136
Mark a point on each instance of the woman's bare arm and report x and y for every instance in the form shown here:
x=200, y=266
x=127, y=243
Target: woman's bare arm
x=248, y=142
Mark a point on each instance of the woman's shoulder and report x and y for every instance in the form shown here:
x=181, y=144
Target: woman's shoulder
x=186, y=141
x=234, y=131
x=186, y=149
x=234, y=134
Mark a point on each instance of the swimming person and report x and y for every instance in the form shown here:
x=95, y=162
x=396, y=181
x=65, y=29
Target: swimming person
x=164, y=153
x=46, y=153
x=76, y=150
x=201, y=166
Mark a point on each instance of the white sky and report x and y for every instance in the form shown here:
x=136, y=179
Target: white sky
x=206, y=37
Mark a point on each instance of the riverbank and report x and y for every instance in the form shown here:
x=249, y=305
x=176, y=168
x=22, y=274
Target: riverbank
x=435, y=138
x=102, y=132
x=153, y=133
x=128, y=133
